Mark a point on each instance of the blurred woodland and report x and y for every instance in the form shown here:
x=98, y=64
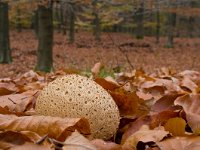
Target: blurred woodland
x=123, y=34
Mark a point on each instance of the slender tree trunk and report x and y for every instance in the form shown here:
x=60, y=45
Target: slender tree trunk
x=5, y=52
x=139, y=18
x=190, y=26
x=35, y=23
x=45, y=30
x=63, y=18
x=71, y=33
x=157, y=23
x=170, y=29
x=58, y=16
x=18, y=21
x=96, y=22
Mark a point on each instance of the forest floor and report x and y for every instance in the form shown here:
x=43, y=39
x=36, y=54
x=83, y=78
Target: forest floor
x=114, y=50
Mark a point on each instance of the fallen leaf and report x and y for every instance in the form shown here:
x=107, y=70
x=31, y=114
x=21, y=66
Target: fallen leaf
x=7, y=88
x=96, y=68
x=31, y=146
x=179, y=143
x=128, y=103
x=190, y=85
x=108, y=85
x=78, y=142
x=103, y=145
x=190, y=74
x=190, y=104
x=176, y=126
x=166, y=102
x=133, y=127
x=145, y=135
x=5, y=110
x=161, y=118
x=55, y=127
x=144, y=96
x=9, y=139
x=18, y=102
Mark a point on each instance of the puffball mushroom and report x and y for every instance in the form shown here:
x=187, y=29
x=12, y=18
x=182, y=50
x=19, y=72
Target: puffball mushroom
x=77, y=96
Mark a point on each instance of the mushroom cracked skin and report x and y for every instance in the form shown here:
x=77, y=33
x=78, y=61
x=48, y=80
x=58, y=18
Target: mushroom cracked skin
x=77, y=96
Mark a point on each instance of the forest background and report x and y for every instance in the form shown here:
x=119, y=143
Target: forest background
x=121, y=34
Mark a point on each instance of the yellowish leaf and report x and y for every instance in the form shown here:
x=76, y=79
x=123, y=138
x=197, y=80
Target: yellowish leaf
x=176, y=126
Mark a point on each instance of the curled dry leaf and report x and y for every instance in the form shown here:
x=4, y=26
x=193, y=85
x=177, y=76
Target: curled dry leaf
x=7, y=88
x=162, y=86
x=96, y=68
x=28, y=77
x=78, y=142
x=144, y=96
x=165, y=103
x=190, y=104
x=5, y=111
x=103, y=145
x=129, y=104
x=18, y=102
x=188, y=84
x=33, y=136
x=192, y=75
x=180, y=143
x=108, y=85
x=55, y=127
x=162, y=117
x=145, y=135
x=32, y=86
x=10, y=139
x=133, y=127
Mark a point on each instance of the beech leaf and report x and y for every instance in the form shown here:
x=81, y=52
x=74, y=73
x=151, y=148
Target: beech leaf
x=190, y=104
x=78, y=142
x=103, y=145
x=18, y=102
x=31, y=146
x=145, y=135
x=54, y=127
x=180, y=143
x=7, y=88
x=176, y=126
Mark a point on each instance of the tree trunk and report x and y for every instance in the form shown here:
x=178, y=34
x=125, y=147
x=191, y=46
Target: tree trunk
x=35, y=22
x=170, y=29
x=57, y=11
x=18, y=21
x=71, y=23
x=5, y=52
x=45, y=30
x=63, y=18
x=96, y=22
x=157, y=23
x=139, y=18
x=190, y=26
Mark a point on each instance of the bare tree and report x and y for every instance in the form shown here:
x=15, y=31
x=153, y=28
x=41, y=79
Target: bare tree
x=45, y=37
x=5, y=52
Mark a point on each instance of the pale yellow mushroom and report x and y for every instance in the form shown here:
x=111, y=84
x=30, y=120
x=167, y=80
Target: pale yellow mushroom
x=77, y=96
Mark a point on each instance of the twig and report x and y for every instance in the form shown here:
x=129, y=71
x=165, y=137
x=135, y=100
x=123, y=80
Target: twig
x=121, y=50
x=40, y=141
x=11, y=100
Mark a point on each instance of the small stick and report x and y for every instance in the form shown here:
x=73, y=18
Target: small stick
x=121, y=50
